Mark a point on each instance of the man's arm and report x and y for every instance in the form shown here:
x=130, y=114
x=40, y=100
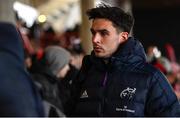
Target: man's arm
x=161, y=99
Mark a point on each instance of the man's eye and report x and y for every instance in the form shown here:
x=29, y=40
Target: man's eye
x=93, y=33
x=104, y=33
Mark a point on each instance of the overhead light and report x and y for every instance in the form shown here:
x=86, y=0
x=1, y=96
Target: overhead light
x=157, y=53
x=26, y=12
x=42, y=18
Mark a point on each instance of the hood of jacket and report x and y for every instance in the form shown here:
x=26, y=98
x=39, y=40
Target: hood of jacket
x=10, y=41
x=129, y=53
x=19, y=96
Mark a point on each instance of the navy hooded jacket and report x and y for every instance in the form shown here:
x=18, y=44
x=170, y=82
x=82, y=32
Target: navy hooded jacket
x=18, y=97
x=126, y=86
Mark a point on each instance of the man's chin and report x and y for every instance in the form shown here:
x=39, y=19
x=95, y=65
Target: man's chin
x=100, y=55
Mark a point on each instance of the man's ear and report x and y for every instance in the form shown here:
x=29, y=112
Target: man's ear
x=123, y=36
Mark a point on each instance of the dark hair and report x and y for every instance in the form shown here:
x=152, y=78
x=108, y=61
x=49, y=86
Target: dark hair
x=120, y=19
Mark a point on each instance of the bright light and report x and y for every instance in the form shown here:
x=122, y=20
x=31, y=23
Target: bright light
x=42, y=18
x=73, y=16
x=98, y=2
x=156, y=52
x=27, y=13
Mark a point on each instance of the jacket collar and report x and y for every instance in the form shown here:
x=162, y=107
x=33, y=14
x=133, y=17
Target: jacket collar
x=130, y=52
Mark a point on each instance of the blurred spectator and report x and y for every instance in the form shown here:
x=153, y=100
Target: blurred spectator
x=70, y=39
x=171, y=55
x=18, y=95
x=55, y=75
x=58, y=60
x=169, y=68
x=21, y=26
x=76, y=57
x=47, y=82
x=48, y=37
x=170, y=52
x=155, y=58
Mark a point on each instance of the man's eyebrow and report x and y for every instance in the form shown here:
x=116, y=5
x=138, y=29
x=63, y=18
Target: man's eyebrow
x=103, y=30
x=100, y=30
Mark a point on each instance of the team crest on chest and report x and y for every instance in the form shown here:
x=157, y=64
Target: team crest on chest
x=128, y=93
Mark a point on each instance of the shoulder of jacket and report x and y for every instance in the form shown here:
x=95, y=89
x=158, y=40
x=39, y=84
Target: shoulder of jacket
x=86, y=63
x=159, y=82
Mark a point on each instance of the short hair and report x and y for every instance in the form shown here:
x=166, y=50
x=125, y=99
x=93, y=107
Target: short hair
x=120, y=19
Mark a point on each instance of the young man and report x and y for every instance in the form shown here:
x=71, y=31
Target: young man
x=115, y=79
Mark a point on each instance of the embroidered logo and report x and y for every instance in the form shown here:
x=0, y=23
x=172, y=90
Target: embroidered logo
x=84, y=95
x=128, y=93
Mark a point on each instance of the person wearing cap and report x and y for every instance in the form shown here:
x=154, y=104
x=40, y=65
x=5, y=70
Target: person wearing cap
x=57, y=60
x=54, y=67
x=52, y=76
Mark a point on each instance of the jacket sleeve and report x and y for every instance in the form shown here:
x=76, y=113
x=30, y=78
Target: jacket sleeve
x=161, y=99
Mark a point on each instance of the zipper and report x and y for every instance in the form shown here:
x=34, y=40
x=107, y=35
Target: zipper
x=104, y=89
x=104, y=80
x=103, y=85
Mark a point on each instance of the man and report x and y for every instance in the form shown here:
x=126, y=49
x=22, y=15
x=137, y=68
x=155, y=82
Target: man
x=115, y=79
x=18, y=95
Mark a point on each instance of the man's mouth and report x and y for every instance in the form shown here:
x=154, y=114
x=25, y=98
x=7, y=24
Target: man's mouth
x=97, y=48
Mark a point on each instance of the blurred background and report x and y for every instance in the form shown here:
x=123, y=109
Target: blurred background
x=156, y=21
x=64, y=23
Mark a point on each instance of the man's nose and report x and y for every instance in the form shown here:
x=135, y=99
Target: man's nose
x=96, y=38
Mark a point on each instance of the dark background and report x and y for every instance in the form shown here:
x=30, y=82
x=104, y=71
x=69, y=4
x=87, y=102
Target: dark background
x=157, y=23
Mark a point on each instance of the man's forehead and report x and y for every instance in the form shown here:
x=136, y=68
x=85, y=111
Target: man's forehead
x=100, y=30
x=101, y=21
x=101, y=24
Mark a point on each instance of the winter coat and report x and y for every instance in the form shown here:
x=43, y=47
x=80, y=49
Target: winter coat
x=65, y=86
x=126, y=86
x=47, y=85
x=18, y=95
